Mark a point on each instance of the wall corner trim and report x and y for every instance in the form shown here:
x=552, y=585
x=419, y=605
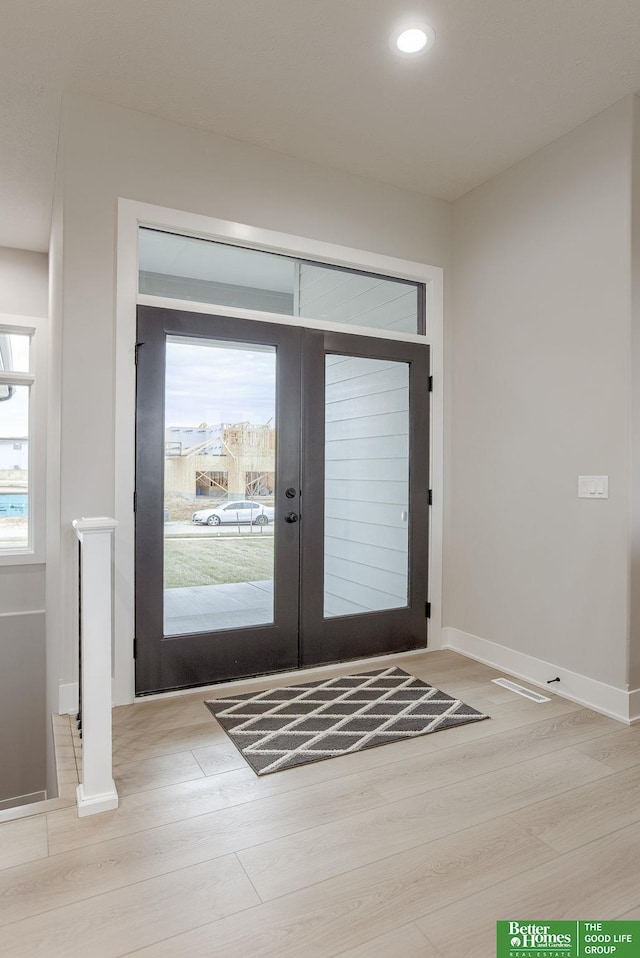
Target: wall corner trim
x=68, y=699
x=617, y=703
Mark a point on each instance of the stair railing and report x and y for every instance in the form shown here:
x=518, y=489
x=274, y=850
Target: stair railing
x=96, y=791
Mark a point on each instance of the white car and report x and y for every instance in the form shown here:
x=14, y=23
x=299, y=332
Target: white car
x=235, y=512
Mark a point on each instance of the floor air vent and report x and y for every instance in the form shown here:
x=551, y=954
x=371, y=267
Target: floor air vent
x=520, y=690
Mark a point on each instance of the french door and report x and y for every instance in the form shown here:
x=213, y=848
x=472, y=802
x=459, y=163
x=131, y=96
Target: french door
x=281, y=498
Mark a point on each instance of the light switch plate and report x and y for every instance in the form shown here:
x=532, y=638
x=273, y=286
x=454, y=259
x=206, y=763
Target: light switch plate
x=593, y=487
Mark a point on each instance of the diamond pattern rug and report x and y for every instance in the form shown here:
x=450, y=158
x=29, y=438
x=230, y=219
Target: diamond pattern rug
x=281, y=728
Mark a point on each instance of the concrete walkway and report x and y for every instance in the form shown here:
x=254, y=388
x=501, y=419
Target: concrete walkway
x=208, y=608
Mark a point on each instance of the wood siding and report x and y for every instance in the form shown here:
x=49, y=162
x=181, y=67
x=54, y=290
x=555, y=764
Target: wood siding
x=349, y=298
x=366, y=484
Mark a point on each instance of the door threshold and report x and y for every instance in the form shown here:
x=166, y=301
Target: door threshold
x=257, y=680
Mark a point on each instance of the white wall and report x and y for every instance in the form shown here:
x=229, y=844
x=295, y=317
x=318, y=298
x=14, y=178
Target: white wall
x=634, y=548
x=108, y=152
x=24, y=282
x=53, y=596
x=540, y=394
x=23, y=291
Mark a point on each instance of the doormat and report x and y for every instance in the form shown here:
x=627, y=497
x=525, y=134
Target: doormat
x=281, y=728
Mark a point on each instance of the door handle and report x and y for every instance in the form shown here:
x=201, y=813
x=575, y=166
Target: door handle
x=291, y=517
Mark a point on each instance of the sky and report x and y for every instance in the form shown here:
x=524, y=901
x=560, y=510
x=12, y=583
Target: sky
x=219, y=382
x=204, y=383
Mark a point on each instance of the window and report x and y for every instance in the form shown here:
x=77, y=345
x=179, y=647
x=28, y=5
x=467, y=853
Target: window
x=212, y=484
x=259, y=483
x=20, y=504
x=204, y=271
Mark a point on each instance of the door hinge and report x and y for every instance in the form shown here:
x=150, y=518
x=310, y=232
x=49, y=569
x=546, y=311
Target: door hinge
x=427, y=610
x=135, y=648
x=430, y=497
x=135, y=501
x=138, y=345
x=430, y=384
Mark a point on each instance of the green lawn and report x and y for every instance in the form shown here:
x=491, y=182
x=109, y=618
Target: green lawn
x=215, y=561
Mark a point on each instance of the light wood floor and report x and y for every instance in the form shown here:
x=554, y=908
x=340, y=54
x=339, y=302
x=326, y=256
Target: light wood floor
x=413, y=849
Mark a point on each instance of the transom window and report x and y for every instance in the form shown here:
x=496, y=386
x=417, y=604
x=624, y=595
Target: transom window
x=204, y=271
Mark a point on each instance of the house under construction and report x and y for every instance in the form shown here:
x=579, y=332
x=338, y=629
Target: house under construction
x=229, y=459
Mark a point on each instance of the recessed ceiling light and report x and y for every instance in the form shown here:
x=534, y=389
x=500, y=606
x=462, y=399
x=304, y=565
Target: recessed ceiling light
x=414, y=39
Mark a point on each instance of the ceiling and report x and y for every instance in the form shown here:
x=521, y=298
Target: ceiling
x=314, y=79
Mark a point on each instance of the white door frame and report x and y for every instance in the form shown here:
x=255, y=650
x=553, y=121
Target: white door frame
x=132, y=215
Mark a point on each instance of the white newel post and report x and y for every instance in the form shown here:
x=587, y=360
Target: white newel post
x=96, y=791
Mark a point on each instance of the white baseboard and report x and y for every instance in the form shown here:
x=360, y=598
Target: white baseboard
x=68, y=699
x=95, y=804
x=615, y=702
x=19, y=800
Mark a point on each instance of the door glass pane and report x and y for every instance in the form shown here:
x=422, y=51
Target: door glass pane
x=219, y=485
x=366, y=485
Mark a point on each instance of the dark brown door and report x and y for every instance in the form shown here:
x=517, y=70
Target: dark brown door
x=281, y=498
x=365, y=504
